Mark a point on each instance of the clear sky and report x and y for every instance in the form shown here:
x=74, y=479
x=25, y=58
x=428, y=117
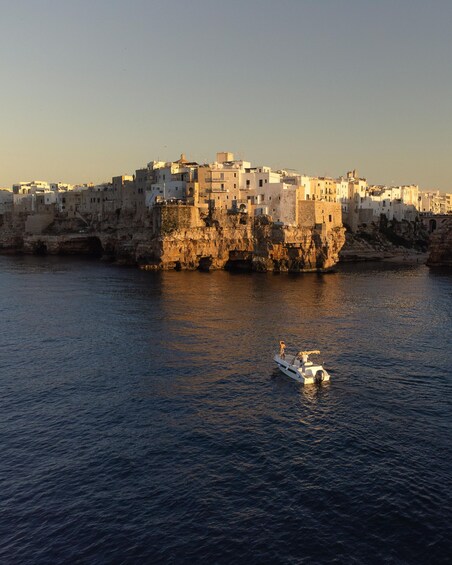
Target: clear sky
x=90, y=89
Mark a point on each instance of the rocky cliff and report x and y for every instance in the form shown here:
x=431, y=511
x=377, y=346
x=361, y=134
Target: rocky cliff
x=440, y=247
x=12, y=229
x=243, y=243
x=178, y=237
x=386, y=240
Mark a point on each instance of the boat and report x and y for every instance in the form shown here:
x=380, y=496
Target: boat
x=299, y=368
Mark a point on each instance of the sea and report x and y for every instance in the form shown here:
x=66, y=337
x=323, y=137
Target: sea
x=142, y=419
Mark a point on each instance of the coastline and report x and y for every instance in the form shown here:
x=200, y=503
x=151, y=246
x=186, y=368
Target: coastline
x=225, y=242
x=405, y=257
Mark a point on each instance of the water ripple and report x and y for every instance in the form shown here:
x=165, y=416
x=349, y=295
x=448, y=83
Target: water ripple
x=142, y=420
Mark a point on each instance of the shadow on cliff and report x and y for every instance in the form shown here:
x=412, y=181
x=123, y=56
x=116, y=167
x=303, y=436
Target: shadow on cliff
x=89, y=246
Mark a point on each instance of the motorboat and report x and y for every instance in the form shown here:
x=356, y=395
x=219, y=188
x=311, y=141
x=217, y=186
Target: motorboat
x=300, y=368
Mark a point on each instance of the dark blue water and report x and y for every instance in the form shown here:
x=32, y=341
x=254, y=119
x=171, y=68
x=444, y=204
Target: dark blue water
x=142, y=421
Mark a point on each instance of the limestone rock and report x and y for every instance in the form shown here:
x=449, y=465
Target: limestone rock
x=385, y=240
x=179, y=238
x=440, y=248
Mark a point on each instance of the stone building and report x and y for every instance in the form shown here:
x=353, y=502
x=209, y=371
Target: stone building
x=323, y=188
x=220, y=182
x=326, y=215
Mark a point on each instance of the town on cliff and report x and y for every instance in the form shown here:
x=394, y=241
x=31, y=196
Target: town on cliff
x=225, y=214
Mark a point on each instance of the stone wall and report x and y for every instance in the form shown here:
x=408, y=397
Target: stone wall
x=37, y=223
x=315, y=212
x=168, y=218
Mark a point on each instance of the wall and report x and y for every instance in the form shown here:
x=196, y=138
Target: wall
x=323, y=188
x=37, y=223
x=313, y=212
x=170, y=217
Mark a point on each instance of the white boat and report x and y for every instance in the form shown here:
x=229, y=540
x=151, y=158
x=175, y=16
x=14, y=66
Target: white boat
x=300, y=368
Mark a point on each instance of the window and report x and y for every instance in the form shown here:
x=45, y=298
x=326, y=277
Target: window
x=248, y=183
x=222, y=186
x=235, y=175
x=330, y=218
x=260, y=182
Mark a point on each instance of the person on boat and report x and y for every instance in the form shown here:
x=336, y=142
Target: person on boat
x=282, y=349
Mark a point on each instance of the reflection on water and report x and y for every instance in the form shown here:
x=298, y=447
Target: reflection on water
x=143, y=417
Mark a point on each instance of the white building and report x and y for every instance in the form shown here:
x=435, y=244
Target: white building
x=254, y=179
x=432, y=202
x=168, y=180
x=302, y=181
x=343, y=194
x=31, y=187
x=25, y=193
x=449, y=203
x=60, y=186
x=273, y=193
x=279, y=200
x=395, y=202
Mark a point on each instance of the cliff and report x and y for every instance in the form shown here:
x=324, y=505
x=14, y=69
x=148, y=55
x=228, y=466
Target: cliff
x=12, y=229
x=178, y=237
x=239, y=242
x=386, y=240
x=440, y=247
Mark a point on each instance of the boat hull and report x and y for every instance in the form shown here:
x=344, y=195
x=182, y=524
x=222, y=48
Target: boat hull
x=306, y=375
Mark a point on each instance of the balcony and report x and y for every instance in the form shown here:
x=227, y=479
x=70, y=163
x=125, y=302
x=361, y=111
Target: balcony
x=214, y=179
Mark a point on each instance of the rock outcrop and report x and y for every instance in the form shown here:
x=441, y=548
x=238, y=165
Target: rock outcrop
x=177, y=237
x=440, y=247
x=12, y=229
x=256, y=245
x=386, y=241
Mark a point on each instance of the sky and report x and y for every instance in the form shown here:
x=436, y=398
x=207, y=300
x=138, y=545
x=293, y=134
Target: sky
x=94, y=89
